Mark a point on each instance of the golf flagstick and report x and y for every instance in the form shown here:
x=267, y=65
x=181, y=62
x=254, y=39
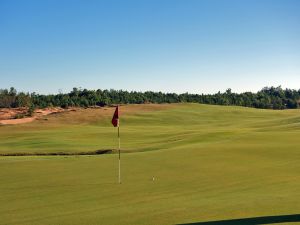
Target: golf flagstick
x=119, y=154
x=116, y=123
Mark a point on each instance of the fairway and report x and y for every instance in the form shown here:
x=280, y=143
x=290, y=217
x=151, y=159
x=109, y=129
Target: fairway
x=209, y=163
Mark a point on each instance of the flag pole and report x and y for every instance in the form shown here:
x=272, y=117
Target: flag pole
x=116, y=123
x=119, y=153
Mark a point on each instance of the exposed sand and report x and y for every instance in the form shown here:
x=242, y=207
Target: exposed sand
x=17, y=121
x=8, y=116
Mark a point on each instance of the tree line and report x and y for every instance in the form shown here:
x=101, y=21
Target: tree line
x=267, y=98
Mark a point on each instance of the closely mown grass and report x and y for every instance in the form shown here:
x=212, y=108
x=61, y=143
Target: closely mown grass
x=209, y=163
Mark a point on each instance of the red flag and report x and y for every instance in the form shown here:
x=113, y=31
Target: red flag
x=115, y=119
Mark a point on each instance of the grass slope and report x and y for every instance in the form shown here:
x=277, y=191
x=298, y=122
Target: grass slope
x=210, y=163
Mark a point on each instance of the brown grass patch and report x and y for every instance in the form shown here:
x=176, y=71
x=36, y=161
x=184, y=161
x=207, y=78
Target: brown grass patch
x=75, y=115
x=95, y=114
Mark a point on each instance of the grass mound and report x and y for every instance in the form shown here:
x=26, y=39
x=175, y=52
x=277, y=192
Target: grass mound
x=149, y=127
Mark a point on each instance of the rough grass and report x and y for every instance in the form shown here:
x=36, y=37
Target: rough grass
x=209, y=163
x=148, y=127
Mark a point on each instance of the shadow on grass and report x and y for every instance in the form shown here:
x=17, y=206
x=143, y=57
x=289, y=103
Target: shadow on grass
x=253, y=221
x=97, y=152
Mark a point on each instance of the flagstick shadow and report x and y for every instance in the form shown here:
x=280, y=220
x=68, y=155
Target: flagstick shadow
x=253, y=221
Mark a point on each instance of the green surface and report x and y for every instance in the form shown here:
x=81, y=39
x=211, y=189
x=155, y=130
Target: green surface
x=210, y=163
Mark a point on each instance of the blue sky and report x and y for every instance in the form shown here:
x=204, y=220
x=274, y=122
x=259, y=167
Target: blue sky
x=161, y=45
